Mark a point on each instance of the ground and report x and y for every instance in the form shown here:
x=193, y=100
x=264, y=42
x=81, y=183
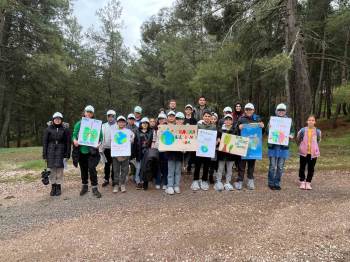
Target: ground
x=259, y=225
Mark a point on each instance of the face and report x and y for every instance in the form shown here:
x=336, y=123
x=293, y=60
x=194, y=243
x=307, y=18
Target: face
x=202, y=101
x=131, y=121
x=121, y=124
x=57, y=121
x=179, y=121
x=188, y=111
x=171, y=119
x=137, y=115
x=238, y=107
x=152, y=122
x=207, y=118
x=228, y=113
x=161, y=121
x=281, y=112
x=249, y=112
x=311, y=121
x=213, y=119
x=110, y=118
x=144, y=125
x=228, y=121
x=172, y=105
x=88, y=114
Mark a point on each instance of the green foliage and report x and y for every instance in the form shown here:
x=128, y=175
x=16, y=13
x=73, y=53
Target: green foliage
x=341, y=94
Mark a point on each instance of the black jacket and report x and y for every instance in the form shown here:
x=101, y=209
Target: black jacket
x=56, y=145
x=142, y=143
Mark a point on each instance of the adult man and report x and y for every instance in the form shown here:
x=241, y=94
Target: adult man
x=199, y=110
x=172, y=106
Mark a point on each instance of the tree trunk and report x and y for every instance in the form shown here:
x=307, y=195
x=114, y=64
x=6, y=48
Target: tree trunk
x=344, y=75
x=320, y=79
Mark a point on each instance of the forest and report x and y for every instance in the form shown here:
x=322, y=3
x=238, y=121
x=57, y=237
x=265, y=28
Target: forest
x=259, y=51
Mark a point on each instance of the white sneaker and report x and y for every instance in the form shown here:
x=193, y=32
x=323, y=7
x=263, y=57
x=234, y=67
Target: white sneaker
x=122, y=188
x=238, y=185
x=204, y=185
x=228, y=187
x=164, y=187
x=169, y=191
x=195, y=185
x=177, y=190
x=218, y=186
x=250, y=184
x=157, y=186
x=115, y=189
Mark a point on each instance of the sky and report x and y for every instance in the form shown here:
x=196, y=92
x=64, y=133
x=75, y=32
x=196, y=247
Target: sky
x=134, y=13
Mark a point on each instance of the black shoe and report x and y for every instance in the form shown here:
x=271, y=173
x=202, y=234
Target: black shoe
x=84, y=190
x=139, y=186
x=106, y=183
x=96, y=193
x=211, y=179
x=272, y=187
x=145, y=186
x=278, y=188
x=58, y=190
x=53, y=190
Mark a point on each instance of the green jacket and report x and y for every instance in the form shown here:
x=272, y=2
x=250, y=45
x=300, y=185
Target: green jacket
x=83, y=149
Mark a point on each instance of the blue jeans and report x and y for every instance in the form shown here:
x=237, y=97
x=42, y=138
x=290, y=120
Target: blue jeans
x=162, y=174
x=275, y=170
x=174, y=173
x=137, y=174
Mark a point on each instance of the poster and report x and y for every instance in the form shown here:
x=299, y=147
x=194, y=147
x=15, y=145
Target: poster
x=120, y=142
x=89, y=133
x=279, y=130
x=237, y=145
x=177, y=138
x=206, y=143
x=254, y=133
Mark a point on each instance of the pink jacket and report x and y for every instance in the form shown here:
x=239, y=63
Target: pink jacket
x=303, y=139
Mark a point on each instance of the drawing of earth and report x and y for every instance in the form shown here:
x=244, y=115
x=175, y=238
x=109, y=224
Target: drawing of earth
x=120, y=138
x=167, y=138
x=204, y=149
x=89, y=134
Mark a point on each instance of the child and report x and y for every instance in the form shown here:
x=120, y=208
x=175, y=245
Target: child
x=308, y=139
x=226, y=160
x=143, y=141
x=189, y=120
x=175, y=163
x=121, y=163
x=202, y=161
x=278, y=154
x=247, y=118
x=214, y=163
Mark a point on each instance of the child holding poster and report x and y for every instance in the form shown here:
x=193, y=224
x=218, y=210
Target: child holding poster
x=175, y=163
x=247, y=118
x=308, y=139
x=226, y=160
x=278, y=153
x=121, y=159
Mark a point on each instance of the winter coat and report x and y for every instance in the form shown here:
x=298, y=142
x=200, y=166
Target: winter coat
x=143, y=141
x=198, y=112
x=222, y=156
x=56, y=145
x=190, y=121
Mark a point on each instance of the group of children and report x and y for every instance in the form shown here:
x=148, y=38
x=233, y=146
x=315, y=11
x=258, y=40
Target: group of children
x=144, y=135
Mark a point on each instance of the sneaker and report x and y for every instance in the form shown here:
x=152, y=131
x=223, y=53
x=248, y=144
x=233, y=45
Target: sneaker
x=84, y=190
x=169, y=191
x=164, y=187
x=239, y=185
x=272, y=187
x=250, y=184
x=53, y=190
x=302, y=185
x=308, y=186
x=195, y=185
x=122, y=188
x=177, y=190
x=115, y=189
x=157, y=186
x=228, y=187
x=139, y=186
x=218, y=186
x=204, y=185
x=58, y=190
x=96, y=193
x=278, y=188
x=105, y=183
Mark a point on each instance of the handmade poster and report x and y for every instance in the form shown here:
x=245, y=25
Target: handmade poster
x=279, y=130
x=89, y=133
x=236, y=145
x=120, y=142
x=206, y=143
x=254, y=133
x=177, y=138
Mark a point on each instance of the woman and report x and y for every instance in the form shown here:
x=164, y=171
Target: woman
x=56, y=150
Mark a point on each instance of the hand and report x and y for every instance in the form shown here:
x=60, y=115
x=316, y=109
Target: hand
x=75, y=142
x=261, y=124
x=240, y=126
x=291, y=136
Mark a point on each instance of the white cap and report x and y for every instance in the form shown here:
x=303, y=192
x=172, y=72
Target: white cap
x=180, y=115
x=131, y=116
x=227, y=109
x=145, y=120
x=121, y=118
x=200, y=122
x=111, y=112
x=89, y=109
x=57, y=115
x=249, y=106
x=171, y=112
x=215, y=114
x=281, y=107
x=190, y=106
x=162, y=116
x=138, y=109
x=228, y=116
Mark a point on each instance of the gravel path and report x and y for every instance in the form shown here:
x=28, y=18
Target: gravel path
x=260, y=225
